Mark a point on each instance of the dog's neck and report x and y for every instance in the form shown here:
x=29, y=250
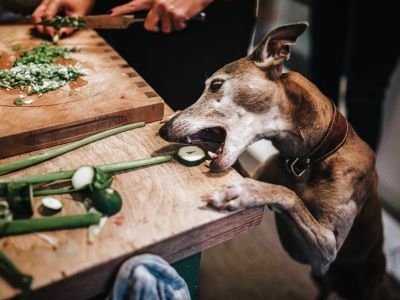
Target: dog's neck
x=308, y=113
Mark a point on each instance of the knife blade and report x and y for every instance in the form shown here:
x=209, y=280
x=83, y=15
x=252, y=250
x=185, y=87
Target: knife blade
x=106, y=21
x=94, y=21
x=110, y=22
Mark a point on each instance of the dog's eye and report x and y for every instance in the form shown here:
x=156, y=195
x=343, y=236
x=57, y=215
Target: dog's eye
x=216, y=85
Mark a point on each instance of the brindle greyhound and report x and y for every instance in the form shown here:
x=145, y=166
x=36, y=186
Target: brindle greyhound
x=323, y=184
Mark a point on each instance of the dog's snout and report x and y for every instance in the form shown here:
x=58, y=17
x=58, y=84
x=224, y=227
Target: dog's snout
x=164, y=131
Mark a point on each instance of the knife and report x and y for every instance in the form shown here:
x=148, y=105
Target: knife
x=102, y=21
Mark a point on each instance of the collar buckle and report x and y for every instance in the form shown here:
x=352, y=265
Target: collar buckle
x=293, y=169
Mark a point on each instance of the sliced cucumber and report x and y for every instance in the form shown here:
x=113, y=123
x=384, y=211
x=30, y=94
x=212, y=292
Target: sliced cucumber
x=5, y=213
x=51, y=203
x=106, y=201
x=191, y=155
x=20, y=198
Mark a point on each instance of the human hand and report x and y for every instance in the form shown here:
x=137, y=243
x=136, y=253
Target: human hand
x=48, y=9
x=173, y=14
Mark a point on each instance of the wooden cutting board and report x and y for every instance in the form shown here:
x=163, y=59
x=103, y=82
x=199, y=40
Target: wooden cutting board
x=112, y=94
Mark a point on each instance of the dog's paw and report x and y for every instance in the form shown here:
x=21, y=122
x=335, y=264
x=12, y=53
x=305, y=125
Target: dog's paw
x=250, y=193
x=231, y=197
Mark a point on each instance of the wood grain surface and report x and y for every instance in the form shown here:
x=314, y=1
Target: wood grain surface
x=112, y=94
x=162, y=214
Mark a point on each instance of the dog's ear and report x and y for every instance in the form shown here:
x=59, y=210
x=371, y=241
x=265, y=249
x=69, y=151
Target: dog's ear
x=274, y=48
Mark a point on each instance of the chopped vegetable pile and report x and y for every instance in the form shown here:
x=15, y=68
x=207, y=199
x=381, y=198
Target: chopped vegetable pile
x=44, y=54
x=66, y=21
x=34, y=69
x=39, y=78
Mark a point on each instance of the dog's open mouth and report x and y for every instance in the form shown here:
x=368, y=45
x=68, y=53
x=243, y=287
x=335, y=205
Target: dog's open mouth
x=215, y=135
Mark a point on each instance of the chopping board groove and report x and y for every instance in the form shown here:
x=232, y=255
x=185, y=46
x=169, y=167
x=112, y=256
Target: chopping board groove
x=113, y=95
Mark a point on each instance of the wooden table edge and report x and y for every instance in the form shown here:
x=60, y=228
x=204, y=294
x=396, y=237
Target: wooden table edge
x=98, y=279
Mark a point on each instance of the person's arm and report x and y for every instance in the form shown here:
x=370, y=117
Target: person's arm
x=48, y=9
x=172, y=14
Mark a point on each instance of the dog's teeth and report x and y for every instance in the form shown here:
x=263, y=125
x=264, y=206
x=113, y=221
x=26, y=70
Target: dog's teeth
x=215, y=130
x=219, y=150
x=188, y=139
x=212, y=154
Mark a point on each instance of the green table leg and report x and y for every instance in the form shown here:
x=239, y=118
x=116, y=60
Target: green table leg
x=189, y=268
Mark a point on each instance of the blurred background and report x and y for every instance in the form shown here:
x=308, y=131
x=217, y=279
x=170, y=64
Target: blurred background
x=254, y=265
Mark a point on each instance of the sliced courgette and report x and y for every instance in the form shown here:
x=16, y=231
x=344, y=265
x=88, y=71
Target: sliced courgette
x=106, y=201
x=191, y=155
x=51, y=203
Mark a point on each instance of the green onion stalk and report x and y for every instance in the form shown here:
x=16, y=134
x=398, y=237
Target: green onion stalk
x=108, y=169
x=48, y=223
x=15, y=277
x=33, y=160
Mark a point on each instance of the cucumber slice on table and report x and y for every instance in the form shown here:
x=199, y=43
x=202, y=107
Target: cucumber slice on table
x=51, y=203
x=107, y=201
x=191, y=155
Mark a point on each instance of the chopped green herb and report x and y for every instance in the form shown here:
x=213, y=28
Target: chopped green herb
x=19, y=101
x=39, y=78
x=34, y=69
x=66, y=21
x=16, y=47
x=56, y=38
x=44, y=53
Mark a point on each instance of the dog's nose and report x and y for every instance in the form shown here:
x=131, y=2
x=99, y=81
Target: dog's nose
x=164, y=131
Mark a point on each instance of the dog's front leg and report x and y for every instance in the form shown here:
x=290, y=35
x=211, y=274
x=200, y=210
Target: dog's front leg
x=316, y=240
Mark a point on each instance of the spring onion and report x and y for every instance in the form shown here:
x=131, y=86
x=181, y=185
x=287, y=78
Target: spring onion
x=3, y=189
x=48, y=192
x=33, y=160
x=35, y=69
x=82, y=177
x=39, y=78
x=45, y=53
x=19, y=101
x=15, y=277
x=48, y=223
x=88, y=176
x=108, y=169
x=64, y=21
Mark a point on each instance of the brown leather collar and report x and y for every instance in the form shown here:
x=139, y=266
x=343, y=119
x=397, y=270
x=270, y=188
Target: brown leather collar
x=333, y=139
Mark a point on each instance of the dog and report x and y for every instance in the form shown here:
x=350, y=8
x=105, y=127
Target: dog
x=322, y=185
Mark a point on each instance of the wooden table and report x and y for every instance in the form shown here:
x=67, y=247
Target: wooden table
x=162, y=214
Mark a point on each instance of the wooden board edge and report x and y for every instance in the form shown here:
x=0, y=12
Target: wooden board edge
x=64, y=133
